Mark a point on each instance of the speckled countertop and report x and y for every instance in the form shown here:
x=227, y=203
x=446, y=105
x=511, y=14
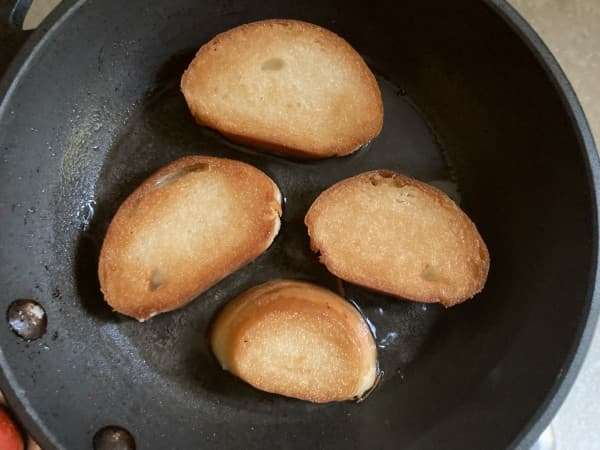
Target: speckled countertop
x=571, y=29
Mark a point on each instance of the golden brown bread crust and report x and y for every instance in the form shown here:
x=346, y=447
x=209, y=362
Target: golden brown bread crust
x=397, y=235
x=182, y=230
x=296, y=339
x=287, y=86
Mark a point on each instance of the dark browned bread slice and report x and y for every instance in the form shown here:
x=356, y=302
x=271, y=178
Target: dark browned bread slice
x=286, y=86
x=400, y=236
x=186, y=227
x=296, y=339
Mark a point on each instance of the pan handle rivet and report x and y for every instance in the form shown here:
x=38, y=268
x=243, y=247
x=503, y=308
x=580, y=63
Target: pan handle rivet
x=113, y=438
x=27, y=319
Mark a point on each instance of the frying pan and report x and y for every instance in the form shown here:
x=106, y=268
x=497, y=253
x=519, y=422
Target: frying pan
x=474, y=103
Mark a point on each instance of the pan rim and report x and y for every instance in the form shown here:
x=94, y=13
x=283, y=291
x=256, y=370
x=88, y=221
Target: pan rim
x=572, y=364
x=26, y=416
x=576, y=355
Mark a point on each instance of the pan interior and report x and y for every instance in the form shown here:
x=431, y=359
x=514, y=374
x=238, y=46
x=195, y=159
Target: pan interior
x=174, y=347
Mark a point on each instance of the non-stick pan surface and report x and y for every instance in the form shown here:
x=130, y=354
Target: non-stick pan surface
x=473, y=103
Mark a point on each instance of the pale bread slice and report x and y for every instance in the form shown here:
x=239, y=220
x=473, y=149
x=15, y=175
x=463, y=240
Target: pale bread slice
x=296, y=339
x=186, y=227
x=397, y=235
x=286, y=86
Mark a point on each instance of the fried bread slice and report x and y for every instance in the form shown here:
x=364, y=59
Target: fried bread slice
x=296, y=339
x=186, y=227
x=400, y=236
x=287, y=86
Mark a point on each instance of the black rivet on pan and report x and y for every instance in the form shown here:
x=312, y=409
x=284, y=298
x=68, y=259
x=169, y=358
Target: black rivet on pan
x=113, y=438
x=27, y=319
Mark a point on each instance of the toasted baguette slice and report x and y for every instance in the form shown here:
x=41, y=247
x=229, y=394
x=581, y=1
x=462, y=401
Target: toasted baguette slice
x=400, y=236
x=286, y=86
x=185, y=228
x=298, y=340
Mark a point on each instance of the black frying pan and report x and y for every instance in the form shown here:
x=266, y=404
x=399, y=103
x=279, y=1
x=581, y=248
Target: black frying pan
x=91, y=107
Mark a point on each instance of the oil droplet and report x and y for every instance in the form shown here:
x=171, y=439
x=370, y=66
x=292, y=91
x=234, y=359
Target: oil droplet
x=389, y=339
x=86, y=214
x=400, y=375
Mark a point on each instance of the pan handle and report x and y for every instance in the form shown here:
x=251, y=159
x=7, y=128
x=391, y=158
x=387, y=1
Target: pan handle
x=14, y=12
